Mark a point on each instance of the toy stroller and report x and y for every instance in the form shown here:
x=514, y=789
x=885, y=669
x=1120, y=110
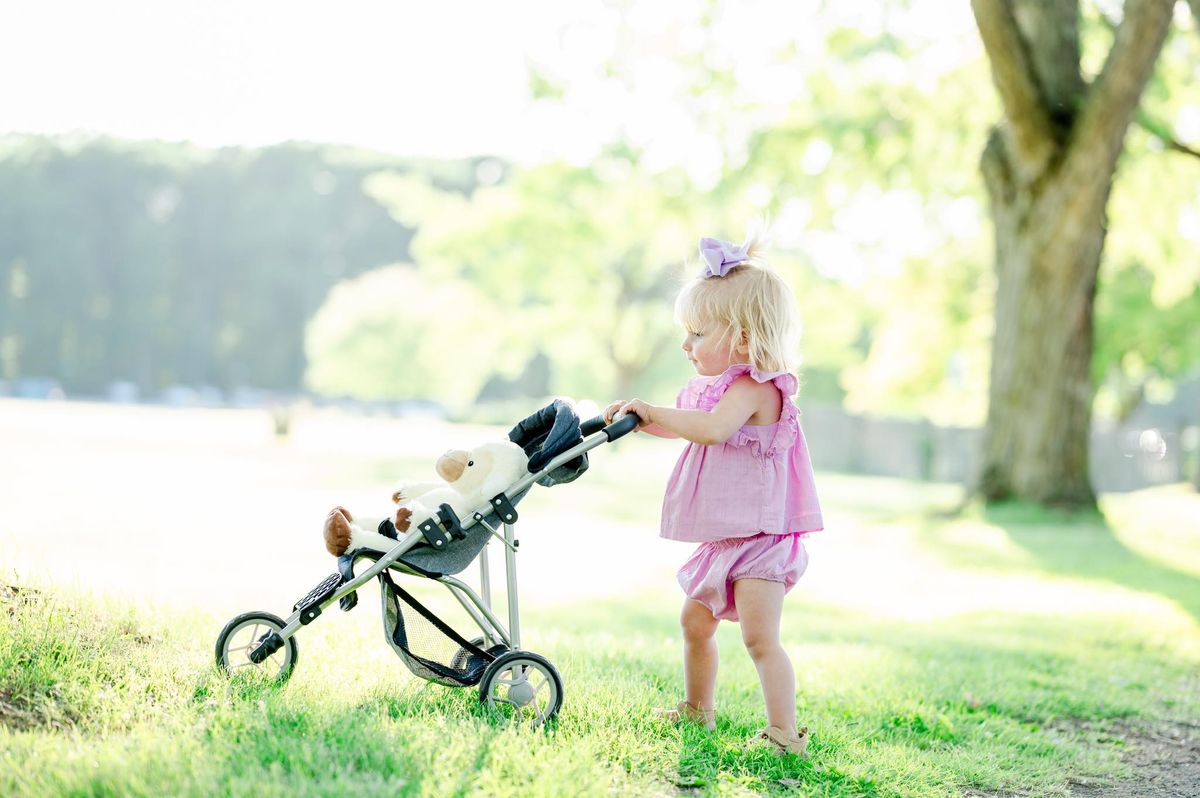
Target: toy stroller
x=521, y=683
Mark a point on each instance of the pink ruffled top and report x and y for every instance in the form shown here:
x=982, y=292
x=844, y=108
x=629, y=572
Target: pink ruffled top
x=759, y=481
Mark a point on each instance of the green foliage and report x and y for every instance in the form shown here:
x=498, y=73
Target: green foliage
x=584, y=260
x=873, y=188
x=207, y=267
x=1149, y=294
x=394, y=333
x=874, y=185
x=163, y=264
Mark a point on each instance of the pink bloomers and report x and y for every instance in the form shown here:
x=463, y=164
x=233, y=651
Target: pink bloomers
x=709, y=574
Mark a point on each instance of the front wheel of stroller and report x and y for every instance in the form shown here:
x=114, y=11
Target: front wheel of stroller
x=246, y=633
x=524, y=686
x=460, y=658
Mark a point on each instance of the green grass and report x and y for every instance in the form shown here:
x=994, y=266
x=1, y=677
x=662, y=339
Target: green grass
x=1002, y=651
x=98, y=700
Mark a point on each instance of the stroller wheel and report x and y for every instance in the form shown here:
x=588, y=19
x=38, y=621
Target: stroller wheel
x=522, y=685
x=245, y=634
x=459, y=661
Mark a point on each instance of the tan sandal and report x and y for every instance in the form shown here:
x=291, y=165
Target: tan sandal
x=782, y=742
x=686, y=712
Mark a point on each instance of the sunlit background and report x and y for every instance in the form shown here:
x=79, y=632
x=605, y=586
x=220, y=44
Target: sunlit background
x=258, y=259
x=416, y=217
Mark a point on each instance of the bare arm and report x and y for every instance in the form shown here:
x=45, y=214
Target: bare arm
x=657, y=431
x=740, y=402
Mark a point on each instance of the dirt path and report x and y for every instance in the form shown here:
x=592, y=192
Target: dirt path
x=1165, y=760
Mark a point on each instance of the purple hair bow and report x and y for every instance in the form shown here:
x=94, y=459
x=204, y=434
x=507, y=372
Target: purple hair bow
x=720, y=256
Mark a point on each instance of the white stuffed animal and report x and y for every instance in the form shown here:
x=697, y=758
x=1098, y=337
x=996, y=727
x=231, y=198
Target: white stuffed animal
x=471, y=480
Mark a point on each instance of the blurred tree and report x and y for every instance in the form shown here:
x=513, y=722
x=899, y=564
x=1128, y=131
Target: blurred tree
x=856, y=126
x=164, y=264
x=1148, y=299
x=871, y=183
x=869, y=178
x=583, y=263
x=1049, y=171
x=393, y=334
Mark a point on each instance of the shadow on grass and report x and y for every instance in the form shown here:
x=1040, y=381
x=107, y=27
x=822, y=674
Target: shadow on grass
x=710, y=765
x=895, y=707
x=1084, y=546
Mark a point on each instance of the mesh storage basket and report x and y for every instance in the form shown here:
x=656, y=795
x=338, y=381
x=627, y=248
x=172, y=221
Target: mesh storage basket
x=426, y=644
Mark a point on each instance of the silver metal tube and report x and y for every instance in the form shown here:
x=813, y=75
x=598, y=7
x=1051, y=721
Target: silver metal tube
x=402, y=547
x=461, y=589
x=291, y=626
x=580, y=448
x=510, y=566
x=414, y=537
x=461, y=592
x=485, y=578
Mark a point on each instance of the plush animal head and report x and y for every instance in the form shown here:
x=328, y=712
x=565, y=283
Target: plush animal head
x=485, y=470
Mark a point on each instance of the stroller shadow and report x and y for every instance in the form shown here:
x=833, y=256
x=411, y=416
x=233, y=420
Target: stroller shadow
x=1084, y=546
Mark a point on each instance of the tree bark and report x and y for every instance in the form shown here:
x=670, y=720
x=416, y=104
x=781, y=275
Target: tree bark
x=1049, y=168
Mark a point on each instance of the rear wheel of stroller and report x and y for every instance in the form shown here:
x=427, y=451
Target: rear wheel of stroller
x=244, y=634
x=524, y=686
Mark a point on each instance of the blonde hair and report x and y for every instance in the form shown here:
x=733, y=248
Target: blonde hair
x=750, y=300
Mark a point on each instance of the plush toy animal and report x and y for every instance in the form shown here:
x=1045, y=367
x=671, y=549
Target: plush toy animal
x=471, y=480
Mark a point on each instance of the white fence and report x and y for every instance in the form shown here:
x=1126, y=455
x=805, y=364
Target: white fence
x=1151, y=448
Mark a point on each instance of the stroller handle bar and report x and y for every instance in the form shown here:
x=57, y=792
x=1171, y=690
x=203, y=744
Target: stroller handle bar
x=619, y=428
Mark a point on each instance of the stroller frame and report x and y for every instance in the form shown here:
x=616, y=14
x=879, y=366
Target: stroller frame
x=506, y=679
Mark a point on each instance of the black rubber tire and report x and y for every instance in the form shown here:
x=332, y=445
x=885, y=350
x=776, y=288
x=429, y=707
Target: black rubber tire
x=273, y=623
x=493, y=683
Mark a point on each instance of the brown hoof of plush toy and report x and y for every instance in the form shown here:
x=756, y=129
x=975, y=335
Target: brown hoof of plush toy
x=337, y=531
x=403, y=514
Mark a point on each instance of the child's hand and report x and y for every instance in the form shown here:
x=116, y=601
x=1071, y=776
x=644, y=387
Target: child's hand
x=612, y=409
x=638, y=408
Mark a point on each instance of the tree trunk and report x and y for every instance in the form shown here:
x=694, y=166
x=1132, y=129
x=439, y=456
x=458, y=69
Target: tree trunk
x=1196, y=474
x=1039, y=409
x=1049, y=169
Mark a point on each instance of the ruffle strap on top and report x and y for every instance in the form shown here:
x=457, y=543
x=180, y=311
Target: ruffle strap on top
x=703, y=393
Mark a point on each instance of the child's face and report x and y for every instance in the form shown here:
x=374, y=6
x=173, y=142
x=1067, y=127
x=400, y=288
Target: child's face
x=711, y=350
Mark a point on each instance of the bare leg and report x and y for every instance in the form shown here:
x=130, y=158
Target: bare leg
x=760, y=605
x=700, y=657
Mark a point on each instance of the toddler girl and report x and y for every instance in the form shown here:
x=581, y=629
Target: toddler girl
x=743, y=488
